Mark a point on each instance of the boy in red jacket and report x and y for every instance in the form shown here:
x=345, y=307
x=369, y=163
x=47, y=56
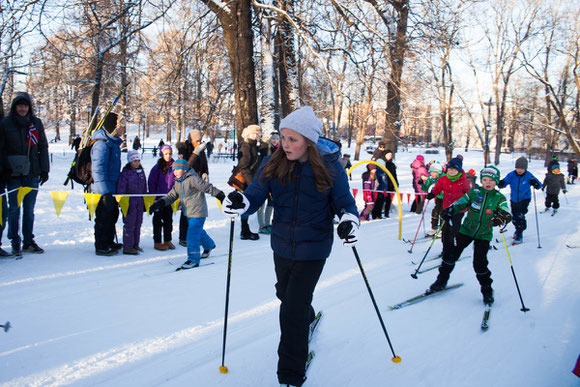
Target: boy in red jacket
x=454, y=185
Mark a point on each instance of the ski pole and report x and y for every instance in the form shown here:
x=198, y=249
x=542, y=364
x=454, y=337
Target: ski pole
x=566, y=197
x=223, y=368
x=419, y=226
x=537, y=224
x=414, y=275
x=6, y=326
x=395, y=358
x=523, y=309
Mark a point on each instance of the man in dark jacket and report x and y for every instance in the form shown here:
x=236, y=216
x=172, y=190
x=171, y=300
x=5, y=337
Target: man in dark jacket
x=5, y=173
x=26, y=150
x=106, y=169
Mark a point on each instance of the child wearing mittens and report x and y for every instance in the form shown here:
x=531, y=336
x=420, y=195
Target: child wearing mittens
x=160, y=182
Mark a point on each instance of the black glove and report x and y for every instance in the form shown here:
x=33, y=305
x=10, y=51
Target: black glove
x=236, y=204
x=43, y=177
x=502, y=183
x=430, y=195
x=220, y=196
x=447, y=214
x=347, y=229
x=156, y=207
x=535, y=184
x=501, y=218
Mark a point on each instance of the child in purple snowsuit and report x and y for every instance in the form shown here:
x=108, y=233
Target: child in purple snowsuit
x=132, y=181
x=419, y=169
x=161, y=180
x=370, y=184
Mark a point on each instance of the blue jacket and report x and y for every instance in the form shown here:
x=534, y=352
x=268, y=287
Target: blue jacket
x=105, y=162
x=302, y=227
x=520, y=185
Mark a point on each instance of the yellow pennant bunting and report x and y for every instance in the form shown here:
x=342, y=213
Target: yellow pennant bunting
x=175, y=206
x=219, y=204
x=58, y=198
x=148, y=200
x=123, y=202
x=22, y=192
x=92, y=200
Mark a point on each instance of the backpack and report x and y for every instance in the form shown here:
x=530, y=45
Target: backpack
x=81, y=168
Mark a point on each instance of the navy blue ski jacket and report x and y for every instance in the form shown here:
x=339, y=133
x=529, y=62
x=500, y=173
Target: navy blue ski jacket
x=302, y=227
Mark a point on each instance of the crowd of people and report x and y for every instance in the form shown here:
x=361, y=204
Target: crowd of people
x=296, y=177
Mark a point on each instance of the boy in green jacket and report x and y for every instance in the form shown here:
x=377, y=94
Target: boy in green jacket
x=486, y=207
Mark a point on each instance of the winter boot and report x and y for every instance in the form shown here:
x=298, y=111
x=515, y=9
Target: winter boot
x=246, y=233
x=106, y=252
x=131, y=251
x=487, y=292
x=117, y=246
x=160, y=246
x=16, y=249
x=32, y=247
x=206, y=252
x=4, y=253
x=432, y=232
x=189, y=265
x=518, y=239
x=169, y=245
x=554, y=211
x=182, y=243
x=437, y=286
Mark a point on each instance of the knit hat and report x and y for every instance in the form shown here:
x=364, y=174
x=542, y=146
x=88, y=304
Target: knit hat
x=133, y=155
x=180, y=164
x=555, y=166
x=303, y=121
x=195, y=135
x=164, y=147
x=455, y=163
x=435, y=167
x=522, y=163
x=491, y=172
x=471, y=172
x=420, y=158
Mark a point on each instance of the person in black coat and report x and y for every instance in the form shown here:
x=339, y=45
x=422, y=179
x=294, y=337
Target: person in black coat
x=5, y=173
x=26, y=149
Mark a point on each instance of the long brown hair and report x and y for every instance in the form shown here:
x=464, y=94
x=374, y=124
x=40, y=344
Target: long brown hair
x=279, y=167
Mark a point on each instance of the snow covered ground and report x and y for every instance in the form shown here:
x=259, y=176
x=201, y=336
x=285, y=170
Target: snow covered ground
x=79, y=319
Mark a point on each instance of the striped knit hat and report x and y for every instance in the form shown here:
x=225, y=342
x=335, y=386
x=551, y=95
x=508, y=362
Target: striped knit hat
x=491, y=172
x=180, y=164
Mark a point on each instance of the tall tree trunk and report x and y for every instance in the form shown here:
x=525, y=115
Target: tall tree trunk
x=287, y=66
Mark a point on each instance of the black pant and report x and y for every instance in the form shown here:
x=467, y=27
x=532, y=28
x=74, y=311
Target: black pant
x=295, y=285
x=106, y=216
x=480, y=249
x=519, y=211
x=163, y=220
x=448, y=233
x=435, y=213
x=377, y=211
x=183, y=225
x=552, y=199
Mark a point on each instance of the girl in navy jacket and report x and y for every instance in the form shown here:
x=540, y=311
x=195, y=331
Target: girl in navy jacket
x=308, y=187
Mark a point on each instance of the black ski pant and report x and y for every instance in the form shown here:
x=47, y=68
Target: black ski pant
x=106, y=216
x=377, y=211
x=295, y=285
x=449, y=231
x=552, y=200
x=519, y=211
x=435, y=213
x=480, y=249
x=163, y=221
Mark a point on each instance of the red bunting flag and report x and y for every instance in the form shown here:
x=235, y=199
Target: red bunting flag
x=354, y=192
x=408, y=198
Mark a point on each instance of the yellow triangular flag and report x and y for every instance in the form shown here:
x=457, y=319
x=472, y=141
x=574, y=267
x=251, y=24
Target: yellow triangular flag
x=175, y=206
x=58, y=198
x=92, y=200
x=148, y=200
x=123, y=202
x=22, y=192
x=219, y=204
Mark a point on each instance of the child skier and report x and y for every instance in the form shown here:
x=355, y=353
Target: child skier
x=486, y=207
x=160, y=182
x=572, y=171
x=435, y=172
x=369, y=184
x=132, y=181
x=191, y=189
x=454, y=185
x=520, y=181
x=552, y=183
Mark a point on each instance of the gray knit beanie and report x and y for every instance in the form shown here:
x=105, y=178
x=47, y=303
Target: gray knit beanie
x=522, y=162
x=305, y=122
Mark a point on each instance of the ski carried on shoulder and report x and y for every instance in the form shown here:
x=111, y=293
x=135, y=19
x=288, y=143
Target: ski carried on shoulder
x=485, y=319
x=421, y=297
x=194, y=267
x=314, y=325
